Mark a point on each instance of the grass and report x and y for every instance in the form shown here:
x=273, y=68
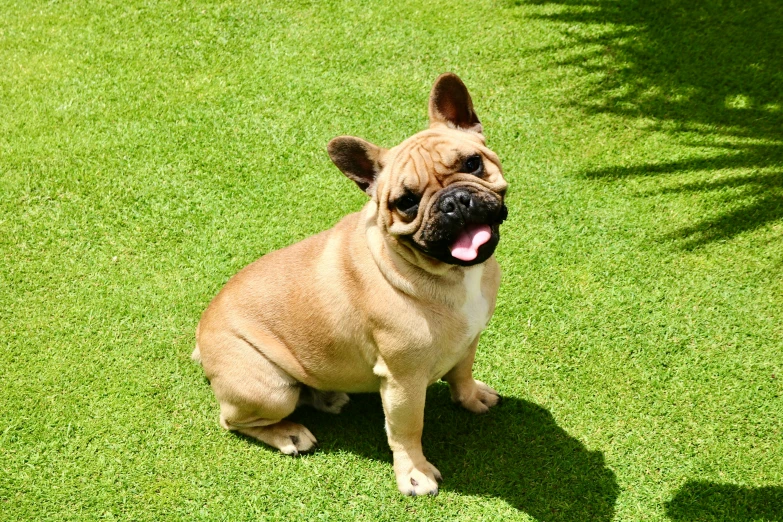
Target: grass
x=149, y=150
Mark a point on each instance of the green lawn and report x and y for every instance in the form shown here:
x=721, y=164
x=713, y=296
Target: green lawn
x=149, y=150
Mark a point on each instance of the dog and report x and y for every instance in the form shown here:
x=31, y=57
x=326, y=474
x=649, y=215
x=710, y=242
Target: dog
x=389, y=300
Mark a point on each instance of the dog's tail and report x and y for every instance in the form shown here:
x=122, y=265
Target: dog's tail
x=196, y=355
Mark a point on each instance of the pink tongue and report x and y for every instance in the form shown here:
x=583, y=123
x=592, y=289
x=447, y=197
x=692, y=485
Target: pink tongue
x=465, y=248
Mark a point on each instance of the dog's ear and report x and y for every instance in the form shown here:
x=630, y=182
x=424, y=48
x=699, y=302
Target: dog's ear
x=358, y=159
x=450, y=104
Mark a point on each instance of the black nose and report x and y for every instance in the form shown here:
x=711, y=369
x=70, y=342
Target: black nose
x=456, y=203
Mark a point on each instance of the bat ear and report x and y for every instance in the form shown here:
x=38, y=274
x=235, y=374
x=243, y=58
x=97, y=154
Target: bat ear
x=358, y=159
x=450, y=105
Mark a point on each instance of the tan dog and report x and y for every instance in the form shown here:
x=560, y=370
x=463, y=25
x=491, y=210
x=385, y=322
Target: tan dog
x=391, y=299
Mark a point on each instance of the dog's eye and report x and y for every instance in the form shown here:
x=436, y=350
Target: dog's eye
x=473, y=165
x=407, y=203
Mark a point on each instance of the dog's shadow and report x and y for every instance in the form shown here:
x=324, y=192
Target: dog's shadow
x=515, y=452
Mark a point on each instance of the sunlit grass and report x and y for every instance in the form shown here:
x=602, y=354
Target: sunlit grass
x=148, y=151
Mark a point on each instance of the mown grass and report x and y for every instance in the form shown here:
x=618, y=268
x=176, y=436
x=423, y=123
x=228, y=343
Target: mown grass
x=150, y=150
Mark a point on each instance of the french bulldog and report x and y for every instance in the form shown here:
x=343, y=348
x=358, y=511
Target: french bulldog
x=391, y=299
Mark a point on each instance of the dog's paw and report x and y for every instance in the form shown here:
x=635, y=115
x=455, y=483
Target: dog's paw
x=290, y=438
x=480, y=399
x=330, y=402
x=418, y=480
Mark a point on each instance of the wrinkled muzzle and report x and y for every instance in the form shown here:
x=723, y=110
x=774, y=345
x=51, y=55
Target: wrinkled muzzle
x=462, y=226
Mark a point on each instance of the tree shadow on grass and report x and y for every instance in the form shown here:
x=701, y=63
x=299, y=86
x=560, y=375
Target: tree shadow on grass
x=762, y=194
x=707, y=501
x=515, y=452
x=706, y=67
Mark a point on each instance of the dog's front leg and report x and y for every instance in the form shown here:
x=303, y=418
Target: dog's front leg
x=403, y=405
x=473, y=395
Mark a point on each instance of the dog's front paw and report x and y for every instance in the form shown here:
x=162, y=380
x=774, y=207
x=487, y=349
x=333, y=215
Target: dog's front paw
x=420, y=479
x=478, y=399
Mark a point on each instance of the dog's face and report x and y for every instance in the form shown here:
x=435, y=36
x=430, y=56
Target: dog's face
x=440, y=193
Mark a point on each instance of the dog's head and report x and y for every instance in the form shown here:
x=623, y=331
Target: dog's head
x=440, y=193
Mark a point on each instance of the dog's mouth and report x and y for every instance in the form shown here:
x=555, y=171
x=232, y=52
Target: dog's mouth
x=466, y=247
x=469, y=242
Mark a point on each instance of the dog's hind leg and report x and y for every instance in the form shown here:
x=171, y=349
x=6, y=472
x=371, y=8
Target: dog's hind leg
x=255, y=395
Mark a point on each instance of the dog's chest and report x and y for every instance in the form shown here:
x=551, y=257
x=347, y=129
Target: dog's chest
x=476, y=307
x=473, y=316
